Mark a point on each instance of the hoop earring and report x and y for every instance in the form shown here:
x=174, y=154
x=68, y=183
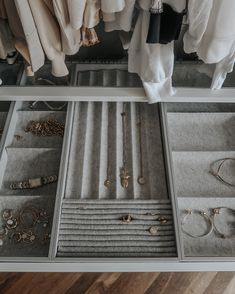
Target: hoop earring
x=207, y=219
x=216, y=212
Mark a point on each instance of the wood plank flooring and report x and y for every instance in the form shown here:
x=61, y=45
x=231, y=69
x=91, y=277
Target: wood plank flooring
x=118, y=283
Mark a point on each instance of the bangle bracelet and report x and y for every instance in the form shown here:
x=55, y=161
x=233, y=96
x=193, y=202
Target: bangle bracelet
x=207, y=219
x=215, y=213
x=216, y=172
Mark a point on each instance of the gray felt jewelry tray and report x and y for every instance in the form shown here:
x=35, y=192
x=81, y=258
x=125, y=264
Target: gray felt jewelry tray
x=22, y=158
x=198, y=135
x=11, y=248
x=90, y=220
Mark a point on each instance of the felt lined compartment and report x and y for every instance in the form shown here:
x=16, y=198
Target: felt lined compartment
x=97, y=128
x=202, y=131
x=17, y=203
x=211, y=245
x=27, y=139
x=193, y=177
x=27, y=163
x=107, y=78
x=32, y=106
x=94, y=228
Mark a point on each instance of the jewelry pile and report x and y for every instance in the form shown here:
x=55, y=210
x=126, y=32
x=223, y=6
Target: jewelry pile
x=25, y=226
x=210, y=221
x=48, y=128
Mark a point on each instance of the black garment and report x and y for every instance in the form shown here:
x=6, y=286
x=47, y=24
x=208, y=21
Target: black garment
x=166, y=26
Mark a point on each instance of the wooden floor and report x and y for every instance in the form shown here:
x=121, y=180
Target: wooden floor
x=117, y=283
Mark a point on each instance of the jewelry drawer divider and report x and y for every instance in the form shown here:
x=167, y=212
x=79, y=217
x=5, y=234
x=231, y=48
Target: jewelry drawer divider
x=26, y=195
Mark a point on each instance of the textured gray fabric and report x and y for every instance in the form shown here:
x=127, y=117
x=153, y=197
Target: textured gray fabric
x=107, y=78
x=211, y=245
x=202, y=131
x=26, y=163
x=193, y=177
x=9, y=249
x=30, y=140
x=91, y=228
x=3, y=117
x=88, y=153
x=124, y=254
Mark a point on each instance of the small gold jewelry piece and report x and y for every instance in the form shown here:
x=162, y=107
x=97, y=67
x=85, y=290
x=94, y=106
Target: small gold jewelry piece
x=11, y=223
x=127, y=219
x=7, y=213
x=107, y=183
x=153, y=230
x=162, y=220
x=124, y=178
x=28, y=217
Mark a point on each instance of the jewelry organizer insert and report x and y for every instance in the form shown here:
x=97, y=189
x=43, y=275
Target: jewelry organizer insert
x=201, y=136
x=100, y=215
x=28, y=181
x=4, y=109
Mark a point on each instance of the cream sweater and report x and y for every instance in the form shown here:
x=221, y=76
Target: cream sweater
x=70, y=37
x=49, y=33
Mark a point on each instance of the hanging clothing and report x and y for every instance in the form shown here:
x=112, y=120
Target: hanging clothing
x=152, y=62
x=122, y=19
x=76, y=10
x=17, y=30
x=110, y=7
x=211, y=35
x=49, y=33
x=71, y=38
x=36, y=54
x=91, y=17
x=6, y=39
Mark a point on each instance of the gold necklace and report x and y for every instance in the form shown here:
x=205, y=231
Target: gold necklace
x=124, y=175
x=108, y=181
x=141, y=179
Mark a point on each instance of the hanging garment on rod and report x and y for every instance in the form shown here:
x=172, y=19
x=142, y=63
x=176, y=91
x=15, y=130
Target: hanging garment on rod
x=91, y=17
x=122, y=19
x=211, y=35
x=154, y=63
x=36, y=54
x=76, y=10
x=110, y=7
x=6, y=39
x=49, y=33
x=70, y=37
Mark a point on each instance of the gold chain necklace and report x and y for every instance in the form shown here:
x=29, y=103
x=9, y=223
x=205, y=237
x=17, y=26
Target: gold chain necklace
x=108, y=181
x=124, y=175
x=141, y=179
